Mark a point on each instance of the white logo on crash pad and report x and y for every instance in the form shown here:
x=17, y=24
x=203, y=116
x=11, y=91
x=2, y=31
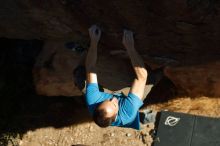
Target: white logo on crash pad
x=171, y=121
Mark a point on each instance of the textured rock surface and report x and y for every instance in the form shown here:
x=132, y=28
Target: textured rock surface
x=53, y=71
x=196, y=80
x=181, y=33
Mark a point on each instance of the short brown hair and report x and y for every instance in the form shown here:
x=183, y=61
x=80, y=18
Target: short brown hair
x=100, y=118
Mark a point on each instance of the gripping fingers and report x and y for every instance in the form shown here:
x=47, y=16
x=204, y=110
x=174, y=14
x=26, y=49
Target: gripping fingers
x=128, y=39
x=95, y=32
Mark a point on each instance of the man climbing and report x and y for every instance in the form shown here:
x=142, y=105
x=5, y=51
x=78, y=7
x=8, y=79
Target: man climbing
x=115, y=109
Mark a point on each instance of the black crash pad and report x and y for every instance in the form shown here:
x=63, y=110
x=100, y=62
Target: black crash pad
x=178, y=129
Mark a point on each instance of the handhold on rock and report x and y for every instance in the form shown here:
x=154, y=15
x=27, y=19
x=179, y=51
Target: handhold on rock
x=74, y=47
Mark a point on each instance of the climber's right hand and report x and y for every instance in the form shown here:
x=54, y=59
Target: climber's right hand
x=128, y=39
x=95, y=34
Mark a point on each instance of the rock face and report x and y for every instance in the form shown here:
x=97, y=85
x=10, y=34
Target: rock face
x=53, y=71
x=197, y=80
x=181, y=34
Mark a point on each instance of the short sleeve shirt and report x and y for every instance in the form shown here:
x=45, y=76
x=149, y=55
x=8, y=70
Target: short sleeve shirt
x=128, y=115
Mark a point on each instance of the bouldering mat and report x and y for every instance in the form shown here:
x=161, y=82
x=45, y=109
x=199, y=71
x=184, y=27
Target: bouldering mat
x=179, y=129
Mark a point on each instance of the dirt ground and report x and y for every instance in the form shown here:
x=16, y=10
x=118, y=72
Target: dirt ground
x=86, y=134
x=89, y=134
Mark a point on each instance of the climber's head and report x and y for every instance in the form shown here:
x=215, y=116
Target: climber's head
x=106, y=112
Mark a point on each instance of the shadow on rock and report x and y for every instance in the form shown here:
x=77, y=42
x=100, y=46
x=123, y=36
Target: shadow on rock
x=21, y=109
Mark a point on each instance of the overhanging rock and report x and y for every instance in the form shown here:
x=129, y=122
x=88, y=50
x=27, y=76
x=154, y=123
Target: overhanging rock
x=196, y=80
x=53, y=72
x=181, y=34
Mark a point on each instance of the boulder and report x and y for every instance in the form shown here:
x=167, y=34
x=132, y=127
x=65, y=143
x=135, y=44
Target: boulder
x=179, y=34
x=53, y=71
x=196, y=80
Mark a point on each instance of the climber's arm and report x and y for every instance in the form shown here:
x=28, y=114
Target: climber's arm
x=91, y=58
x=139, y=82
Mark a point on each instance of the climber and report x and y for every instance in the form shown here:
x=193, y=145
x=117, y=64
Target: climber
x=114, y=109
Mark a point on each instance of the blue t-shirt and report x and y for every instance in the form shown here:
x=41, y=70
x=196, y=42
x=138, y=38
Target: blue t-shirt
x=128, y=115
